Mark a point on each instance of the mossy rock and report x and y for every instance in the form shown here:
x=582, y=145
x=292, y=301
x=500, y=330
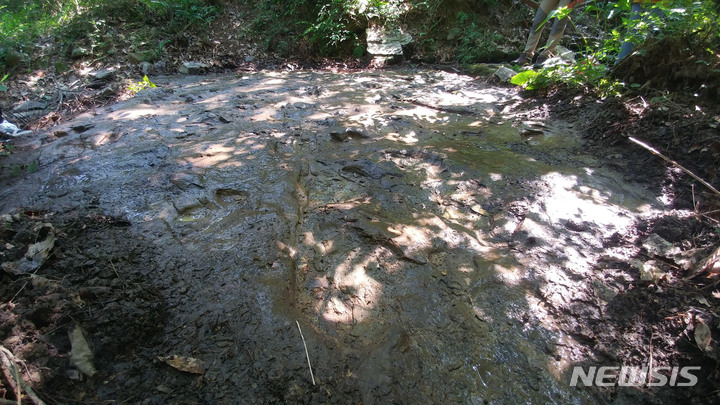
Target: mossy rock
x=144, y=56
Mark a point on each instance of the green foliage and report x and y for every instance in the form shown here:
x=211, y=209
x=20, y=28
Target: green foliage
x=90, y=21
x=583, y=73
x=524, y=77
x=2, y=86
x=5, y=149
x=333, y=27
x=697, y=22
x=22, y=22
x=475, y=44
x=180, y=13
x=143, y=84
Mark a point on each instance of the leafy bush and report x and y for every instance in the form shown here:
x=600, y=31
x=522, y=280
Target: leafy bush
x=696, y=22
x=24, y=24
x=333, y=27
x=474, y=43
x=143, y=84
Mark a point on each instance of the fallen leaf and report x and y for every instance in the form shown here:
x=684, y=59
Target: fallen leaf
x=80, y=352
x=36, y=254
x=186, y=364
x=703, y=337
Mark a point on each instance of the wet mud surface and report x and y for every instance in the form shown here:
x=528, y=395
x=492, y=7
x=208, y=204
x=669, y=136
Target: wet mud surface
x=433, y=243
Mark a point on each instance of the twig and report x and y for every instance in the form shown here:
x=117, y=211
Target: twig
x=674, y=163
x=650, y=363
x=118, y=274
x=9, y=363
x=306, y=352
x=10, y=372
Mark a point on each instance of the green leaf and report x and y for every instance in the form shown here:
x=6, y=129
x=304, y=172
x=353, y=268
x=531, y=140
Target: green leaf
x=524, y=77
x=148, y=83
x=3, y=87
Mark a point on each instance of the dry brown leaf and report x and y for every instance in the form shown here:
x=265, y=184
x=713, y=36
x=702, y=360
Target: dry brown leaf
x=186, y=364
x=703, y=337
x=80, y=353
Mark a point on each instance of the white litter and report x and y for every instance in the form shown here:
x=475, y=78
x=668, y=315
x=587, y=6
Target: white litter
x=8, y=128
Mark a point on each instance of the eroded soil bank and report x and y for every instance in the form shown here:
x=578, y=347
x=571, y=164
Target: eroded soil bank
x=433, y=243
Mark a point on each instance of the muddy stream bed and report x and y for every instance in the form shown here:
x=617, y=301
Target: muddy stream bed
x=433, y=244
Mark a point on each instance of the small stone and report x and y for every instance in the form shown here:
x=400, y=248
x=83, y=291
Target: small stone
x=146, y=67
x=505, y=74
x=160, y=65
x=349, y=133
x=192, y=68
x=80, y=128
x=385, y=42
x=102, y=75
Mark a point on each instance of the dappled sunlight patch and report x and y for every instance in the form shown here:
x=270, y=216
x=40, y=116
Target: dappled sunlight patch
x=433, y=227
x=570, y=201
x=462, y=99
x=353, y=293
x=210, y=155
x=409, y=138
x=511, y=275
x=217, y=101
x=424, y=113
x=411, y=237
x=138, y=112
x=265, y=114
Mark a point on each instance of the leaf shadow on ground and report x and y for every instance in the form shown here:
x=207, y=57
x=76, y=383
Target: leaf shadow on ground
x=439, y=254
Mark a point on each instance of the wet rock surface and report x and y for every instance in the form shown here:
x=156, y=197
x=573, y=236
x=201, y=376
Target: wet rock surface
x=433, y=244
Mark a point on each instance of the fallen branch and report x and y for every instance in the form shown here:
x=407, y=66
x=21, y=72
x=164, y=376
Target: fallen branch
x=674, y=163
x=10, y=373
x=10, y=369
x=306, y=353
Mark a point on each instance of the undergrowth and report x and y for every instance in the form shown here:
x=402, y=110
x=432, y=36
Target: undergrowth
x=695, y=23
x=94, y=24
x=332, y=28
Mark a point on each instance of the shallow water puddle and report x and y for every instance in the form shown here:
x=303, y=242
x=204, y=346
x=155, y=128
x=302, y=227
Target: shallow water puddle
x=428, y=240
